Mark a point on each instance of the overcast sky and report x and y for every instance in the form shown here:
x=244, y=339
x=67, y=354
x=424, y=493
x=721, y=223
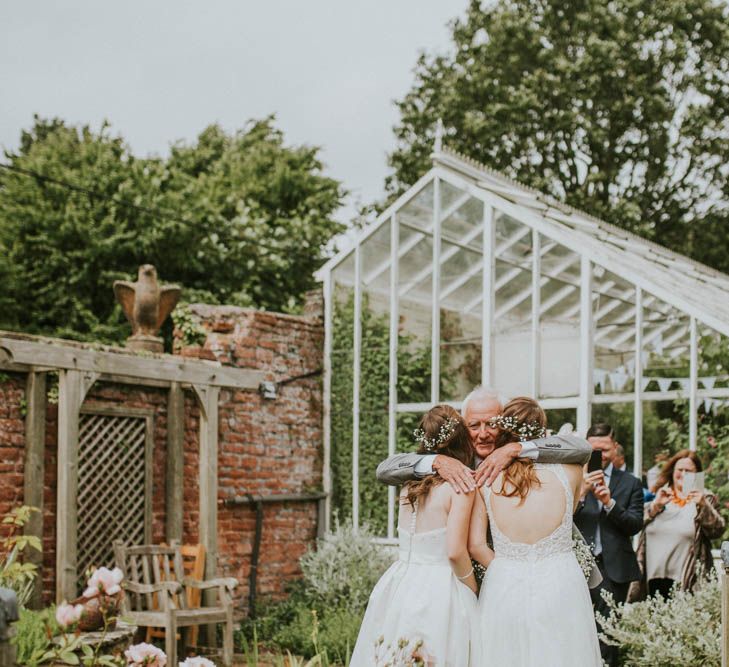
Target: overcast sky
x=162, y=70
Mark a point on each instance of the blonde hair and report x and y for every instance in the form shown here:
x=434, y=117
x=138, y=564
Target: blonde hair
x=520, y=477
x=457, y=445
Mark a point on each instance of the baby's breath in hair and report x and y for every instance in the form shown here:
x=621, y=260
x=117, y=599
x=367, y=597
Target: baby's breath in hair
x=522, y=430
x=444, y=433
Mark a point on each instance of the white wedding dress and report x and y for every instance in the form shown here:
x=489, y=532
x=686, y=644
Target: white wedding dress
x=534, y=605
x=419, y=598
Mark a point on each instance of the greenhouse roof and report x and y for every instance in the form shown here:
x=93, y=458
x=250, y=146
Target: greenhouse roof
x=679, y=282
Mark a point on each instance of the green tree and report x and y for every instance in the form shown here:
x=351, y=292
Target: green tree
x=619, y=108
x=237, y=218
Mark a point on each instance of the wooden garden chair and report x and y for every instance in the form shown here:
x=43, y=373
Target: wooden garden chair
x=157, y=571
x=193, y=564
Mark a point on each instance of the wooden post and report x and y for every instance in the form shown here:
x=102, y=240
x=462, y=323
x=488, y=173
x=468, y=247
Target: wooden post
x=209, y=490
x=175, y=462
x=725, y=605
x=34, y=472
x=69, y=403
x=72, y=388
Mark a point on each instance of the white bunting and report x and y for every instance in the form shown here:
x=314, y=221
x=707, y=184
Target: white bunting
x=599, y=375
x=644, y=383
x=664, y=383
x=708, y=382
x=708, y=405
x=618, y=378
x=684, y=382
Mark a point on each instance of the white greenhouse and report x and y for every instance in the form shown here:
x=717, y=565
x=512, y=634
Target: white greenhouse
x=470, y=277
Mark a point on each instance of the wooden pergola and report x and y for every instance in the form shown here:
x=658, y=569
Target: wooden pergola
x=79, y=367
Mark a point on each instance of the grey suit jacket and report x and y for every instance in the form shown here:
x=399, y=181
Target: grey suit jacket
x=400, y=468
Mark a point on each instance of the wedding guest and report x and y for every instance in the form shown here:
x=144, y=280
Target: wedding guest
x=429, y=593
x=619, y=461
x=679, y=527
x=610, y=511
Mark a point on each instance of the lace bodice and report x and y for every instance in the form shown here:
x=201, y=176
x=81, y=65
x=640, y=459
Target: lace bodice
x=559, y=541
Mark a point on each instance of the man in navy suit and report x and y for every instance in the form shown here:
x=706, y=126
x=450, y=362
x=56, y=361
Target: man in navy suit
x=609, y=513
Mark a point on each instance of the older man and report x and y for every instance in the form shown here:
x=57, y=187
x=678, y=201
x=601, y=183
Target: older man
x=478, y=408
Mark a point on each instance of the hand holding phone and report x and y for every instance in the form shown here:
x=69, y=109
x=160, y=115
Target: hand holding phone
x=595, y=462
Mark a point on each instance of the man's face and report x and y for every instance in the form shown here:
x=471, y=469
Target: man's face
x=606, y=445
x=478, y=420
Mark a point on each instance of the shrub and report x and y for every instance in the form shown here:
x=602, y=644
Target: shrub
x=344, y=568
x=324, y=610
x=33, y=631
x=685, y=629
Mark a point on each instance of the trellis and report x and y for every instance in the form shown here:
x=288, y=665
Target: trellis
x=521, y=269
x=114, y=482
x=78, y=368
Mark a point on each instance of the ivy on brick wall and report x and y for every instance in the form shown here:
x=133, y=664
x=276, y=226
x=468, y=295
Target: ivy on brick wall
x=413, y=385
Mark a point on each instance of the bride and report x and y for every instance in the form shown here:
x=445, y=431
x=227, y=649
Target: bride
x=534, y=606
x=427, y=597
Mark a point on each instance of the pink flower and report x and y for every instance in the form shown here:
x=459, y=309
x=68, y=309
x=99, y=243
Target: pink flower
x=711, y=440
x=103, y=580
x=145, y=655
x=67, y=614
x=197, y=661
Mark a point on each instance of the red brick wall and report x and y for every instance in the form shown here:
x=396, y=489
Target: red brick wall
x=265, y=446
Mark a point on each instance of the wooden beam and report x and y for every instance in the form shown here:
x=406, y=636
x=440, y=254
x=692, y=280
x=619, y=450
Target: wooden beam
x=208, y=486
x=53, y=353
x=435, y=310
x=70, y=391
x=392, y=374
x=174, y=462
x=638, y=387
x=34, y=471
x=693, y=384
x=488, y=297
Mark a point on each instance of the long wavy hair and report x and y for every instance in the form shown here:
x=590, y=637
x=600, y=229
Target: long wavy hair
x=666, y=474
x=457, y=445
x=521, y=476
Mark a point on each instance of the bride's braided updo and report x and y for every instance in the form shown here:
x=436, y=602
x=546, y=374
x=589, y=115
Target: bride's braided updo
x=521, y=475
x=441, y=431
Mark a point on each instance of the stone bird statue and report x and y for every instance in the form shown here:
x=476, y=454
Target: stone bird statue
x=146, y=305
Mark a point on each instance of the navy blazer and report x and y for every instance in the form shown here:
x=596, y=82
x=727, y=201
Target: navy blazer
x=616, y=527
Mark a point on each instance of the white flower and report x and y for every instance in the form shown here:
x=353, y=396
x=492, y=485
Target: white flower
x=103, y=580
x=197, y=661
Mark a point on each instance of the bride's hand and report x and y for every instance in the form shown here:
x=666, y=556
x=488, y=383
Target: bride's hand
x=495, y=462
x=459, y=476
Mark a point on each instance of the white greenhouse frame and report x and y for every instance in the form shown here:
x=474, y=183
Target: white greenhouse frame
x=653, y=276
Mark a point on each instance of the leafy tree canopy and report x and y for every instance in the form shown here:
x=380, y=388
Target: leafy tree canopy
x=619, y=108
x=235, y=218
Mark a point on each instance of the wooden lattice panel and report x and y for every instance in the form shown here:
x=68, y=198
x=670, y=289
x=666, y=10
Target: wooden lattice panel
x=114, y=484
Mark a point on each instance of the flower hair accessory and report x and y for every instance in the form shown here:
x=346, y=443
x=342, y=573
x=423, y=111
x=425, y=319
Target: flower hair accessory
x=522, y=430
x=444, y=432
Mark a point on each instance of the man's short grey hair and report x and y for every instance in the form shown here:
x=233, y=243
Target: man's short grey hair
x=481, y=393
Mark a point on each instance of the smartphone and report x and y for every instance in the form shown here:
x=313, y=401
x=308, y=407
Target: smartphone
x=693, y=481
x=595, y=461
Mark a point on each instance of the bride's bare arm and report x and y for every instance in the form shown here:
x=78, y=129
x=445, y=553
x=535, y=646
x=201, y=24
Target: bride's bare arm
x=477, y=544
x=457, y=537
x=575, y=475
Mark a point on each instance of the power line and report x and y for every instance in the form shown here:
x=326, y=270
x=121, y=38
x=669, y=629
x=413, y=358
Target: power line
x=93, y=194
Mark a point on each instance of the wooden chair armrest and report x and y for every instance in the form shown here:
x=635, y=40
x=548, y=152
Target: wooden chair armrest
x=227, y=582
x=169, y=586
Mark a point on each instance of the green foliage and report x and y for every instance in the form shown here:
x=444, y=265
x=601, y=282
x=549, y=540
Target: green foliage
x=683, y=630
x=235, y=218
x=32, y=636
x=193, y=333
x=413, y=385
x=343, y=569
x=14, y=573
x=322, y=614
x=618, y=108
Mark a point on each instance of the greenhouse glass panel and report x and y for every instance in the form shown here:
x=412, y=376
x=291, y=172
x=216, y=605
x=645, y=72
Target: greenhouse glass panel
x=374, y=375
x=559, y=320
x=614, y=322
x=512, y=328
x=342, y=381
